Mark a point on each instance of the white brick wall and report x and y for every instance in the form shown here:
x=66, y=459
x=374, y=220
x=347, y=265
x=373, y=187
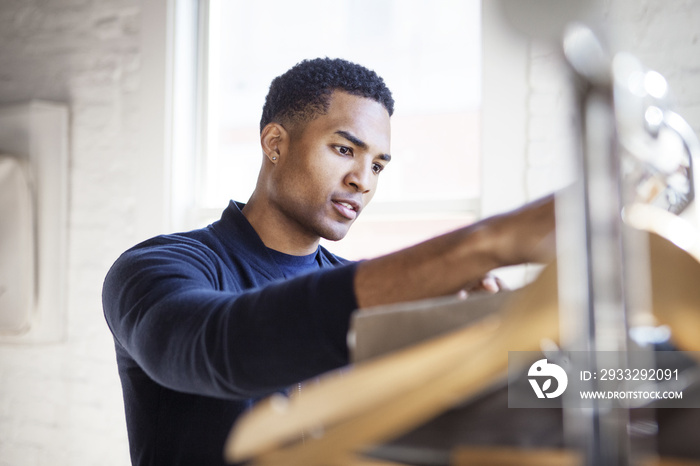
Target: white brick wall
x=663, y=34
x=61, y=404
x=549, y=125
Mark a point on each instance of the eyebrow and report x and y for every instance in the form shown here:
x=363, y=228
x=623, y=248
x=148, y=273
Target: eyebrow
x=360, y=143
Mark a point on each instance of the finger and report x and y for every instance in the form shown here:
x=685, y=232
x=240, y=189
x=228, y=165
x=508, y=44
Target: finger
x=490, y=284
x=501, y=284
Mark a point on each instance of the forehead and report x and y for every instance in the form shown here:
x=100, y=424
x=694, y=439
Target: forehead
x=365, y=118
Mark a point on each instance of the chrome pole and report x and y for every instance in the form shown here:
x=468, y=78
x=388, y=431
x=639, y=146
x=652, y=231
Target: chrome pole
x=593, y=258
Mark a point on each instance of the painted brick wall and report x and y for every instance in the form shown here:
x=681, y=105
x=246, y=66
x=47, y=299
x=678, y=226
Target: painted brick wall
x=663, y=34
x=60, y=404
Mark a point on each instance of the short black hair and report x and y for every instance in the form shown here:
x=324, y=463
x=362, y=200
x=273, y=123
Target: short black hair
x=304, y=91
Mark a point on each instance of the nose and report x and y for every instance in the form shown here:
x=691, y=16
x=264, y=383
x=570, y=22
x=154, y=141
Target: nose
x=361, y=178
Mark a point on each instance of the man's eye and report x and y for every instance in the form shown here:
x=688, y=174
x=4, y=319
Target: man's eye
x=344, y=150
x=377, y=168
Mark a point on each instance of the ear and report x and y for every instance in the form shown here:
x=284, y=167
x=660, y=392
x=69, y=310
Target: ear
x=273, y=140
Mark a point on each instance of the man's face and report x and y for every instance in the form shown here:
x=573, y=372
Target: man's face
x=330, y=169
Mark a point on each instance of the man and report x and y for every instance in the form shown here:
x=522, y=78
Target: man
x=207, y=322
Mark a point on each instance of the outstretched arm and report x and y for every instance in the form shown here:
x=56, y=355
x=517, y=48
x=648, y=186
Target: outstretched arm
x=448, y=263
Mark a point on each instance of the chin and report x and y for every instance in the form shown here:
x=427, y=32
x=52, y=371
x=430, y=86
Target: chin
x=334, y=237
x=334, y=234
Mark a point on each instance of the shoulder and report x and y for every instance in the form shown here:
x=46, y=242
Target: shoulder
x=173, y=255
x=184, y=246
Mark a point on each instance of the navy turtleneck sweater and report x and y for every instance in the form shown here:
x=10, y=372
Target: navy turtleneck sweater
x=208, y=321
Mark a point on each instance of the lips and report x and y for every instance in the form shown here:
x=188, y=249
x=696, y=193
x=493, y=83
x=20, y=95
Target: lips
x=348, y=208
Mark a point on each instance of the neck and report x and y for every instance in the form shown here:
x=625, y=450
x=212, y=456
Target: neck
x=275, y=230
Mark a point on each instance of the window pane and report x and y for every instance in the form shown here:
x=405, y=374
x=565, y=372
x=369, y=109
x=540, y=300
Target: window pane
x=427, y=51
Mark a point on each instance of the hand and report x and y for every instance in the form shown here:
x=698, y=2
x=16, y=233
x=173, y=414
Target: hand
x=489, y=283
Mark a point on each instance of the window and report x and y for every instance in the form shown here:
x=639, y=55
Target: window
x=427, y=51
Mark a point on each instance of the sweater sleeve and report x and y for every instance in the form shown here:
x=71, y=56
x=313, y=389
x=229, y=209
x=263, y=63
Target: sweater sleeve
x=165, y=311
